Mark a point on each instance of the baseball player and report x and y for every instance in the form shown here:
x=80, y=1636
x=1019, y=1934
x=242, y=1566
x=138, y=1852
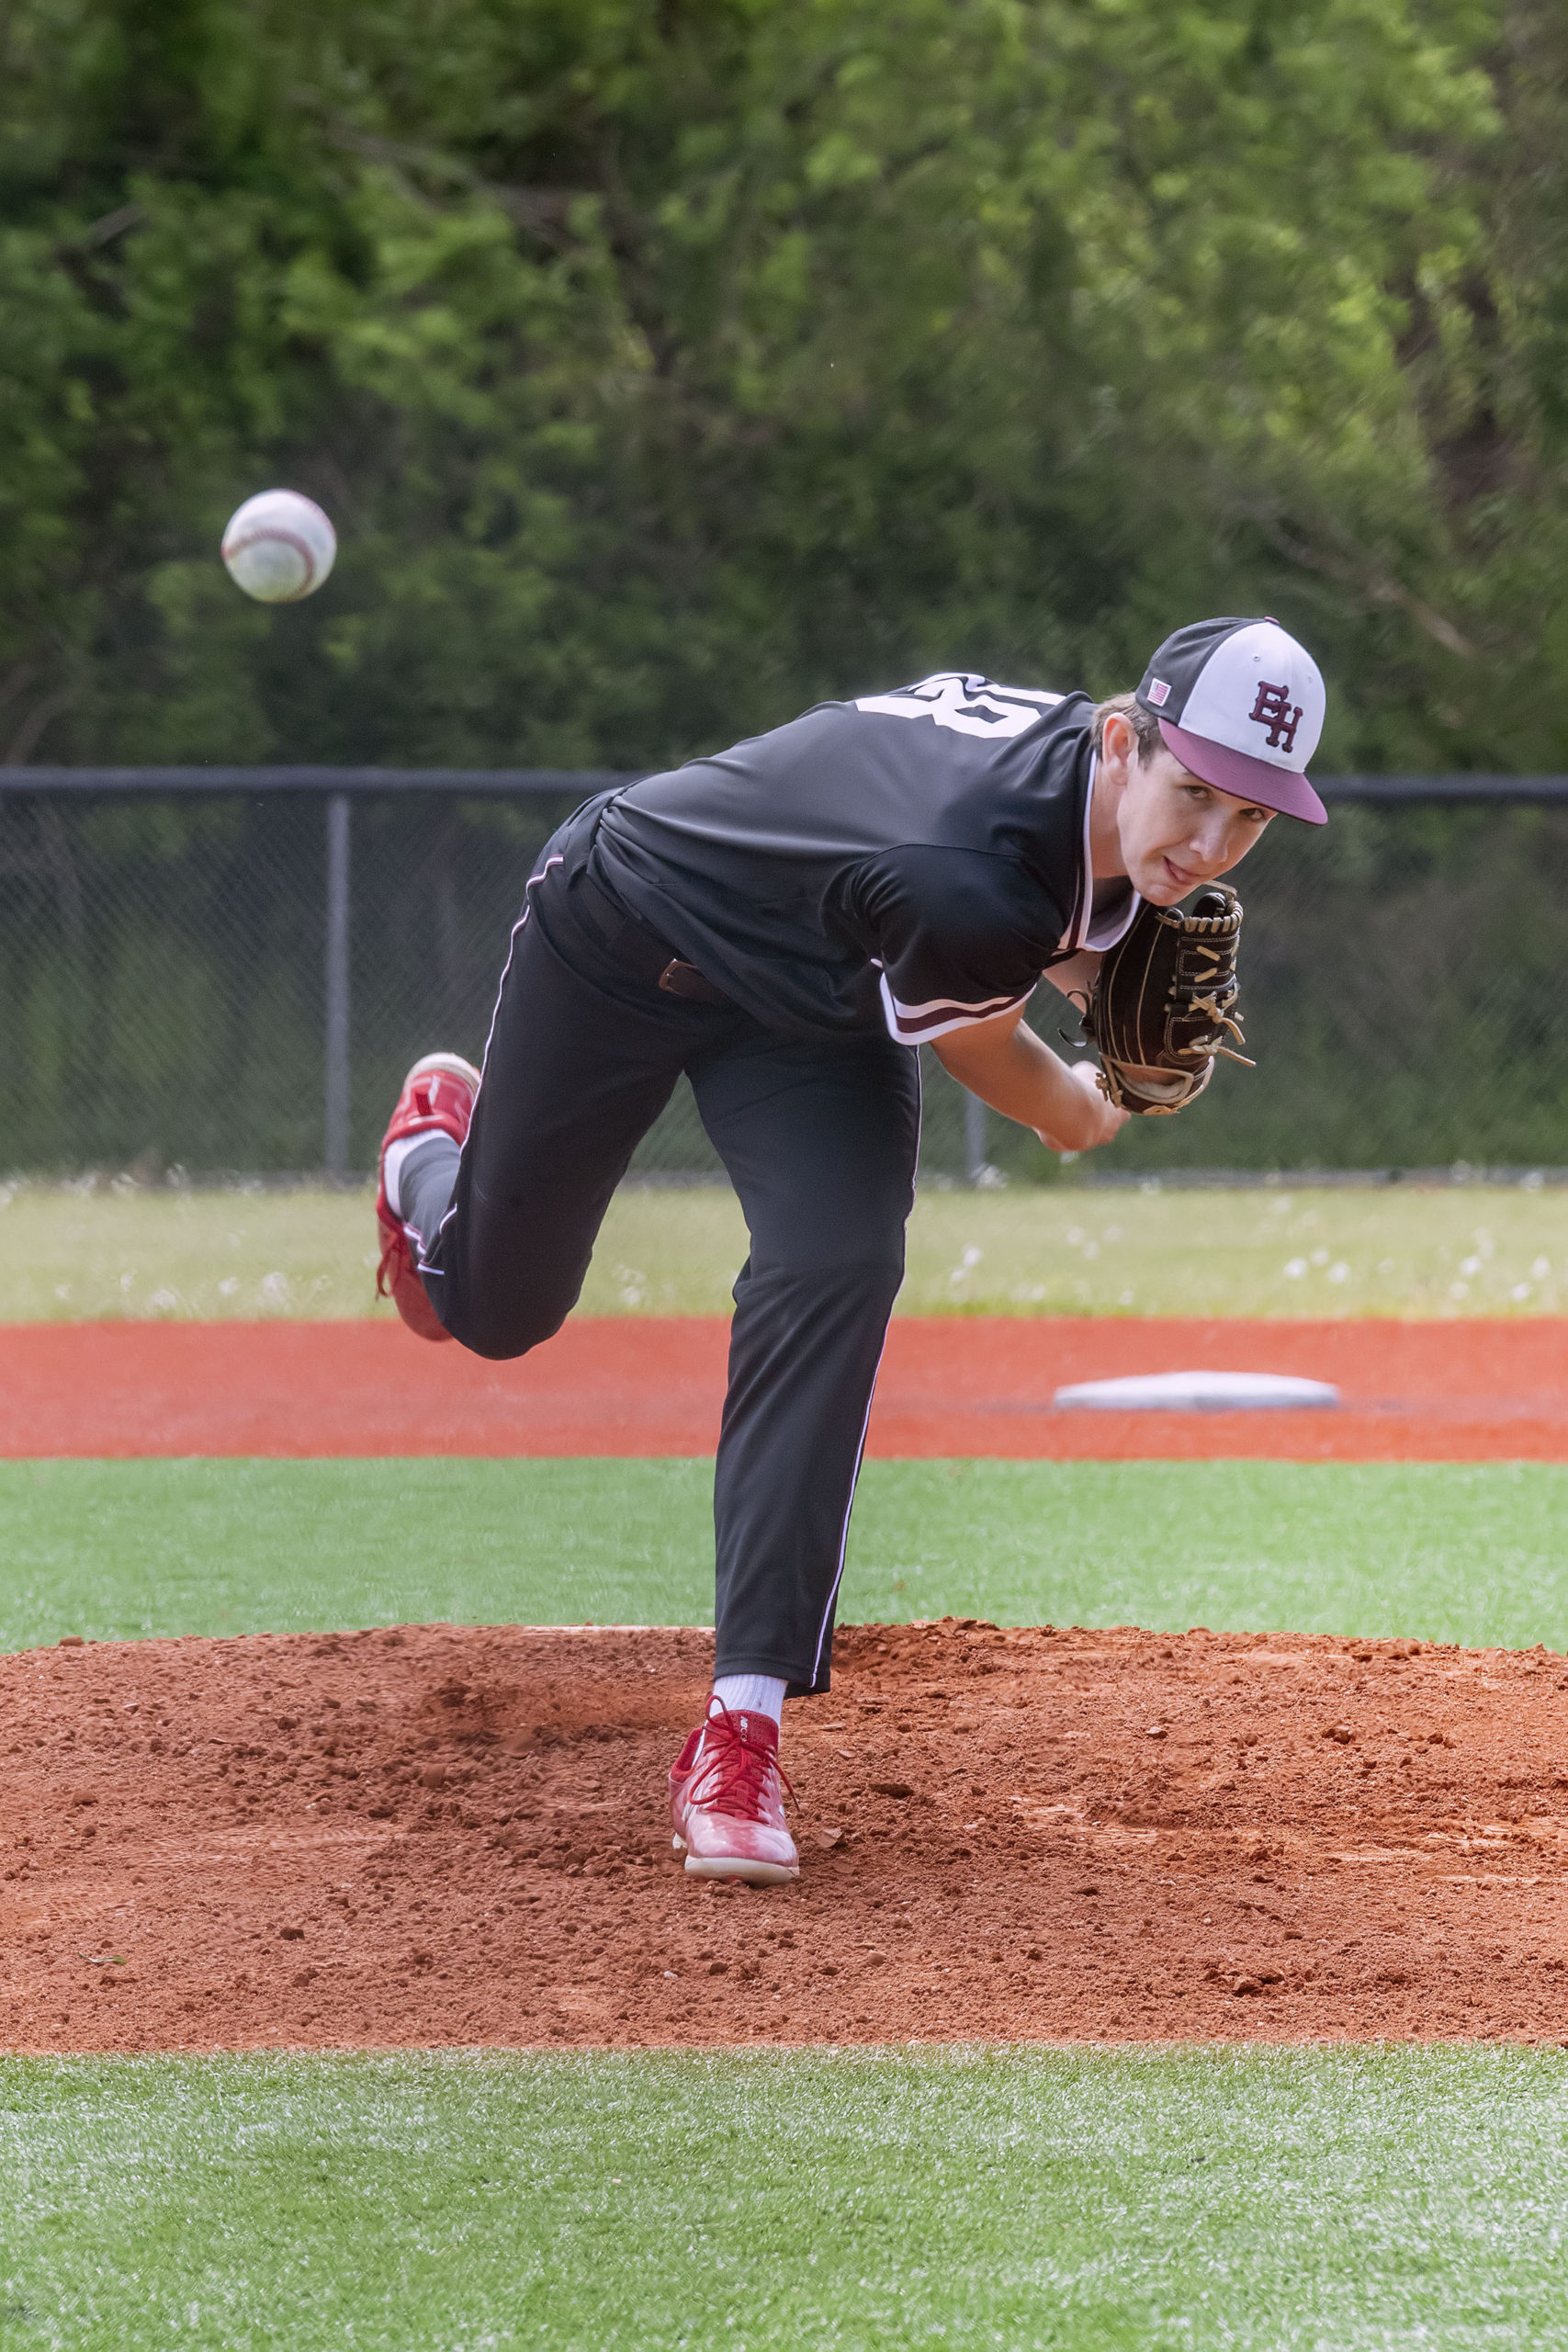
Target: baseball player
x=785, y=921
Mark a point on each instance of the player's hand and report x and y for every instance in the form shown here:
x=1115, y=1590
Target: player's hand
x=1084, y=1119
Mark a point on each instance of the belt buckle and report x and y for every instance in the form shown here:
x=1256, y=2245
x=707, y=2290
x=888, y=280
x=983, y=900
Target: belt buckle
x=683, y=980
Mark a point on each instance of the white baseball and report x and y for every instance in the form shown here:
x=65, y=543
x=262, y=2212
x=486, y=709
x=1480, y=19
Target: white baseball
x=278, y=547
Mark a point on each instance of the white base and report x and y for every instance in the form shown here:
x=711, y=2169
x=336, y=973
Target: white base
x=1196, y=1392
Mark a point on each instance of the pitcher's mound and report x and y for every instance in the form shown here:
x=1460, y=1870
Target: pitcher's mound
x=439, y=1836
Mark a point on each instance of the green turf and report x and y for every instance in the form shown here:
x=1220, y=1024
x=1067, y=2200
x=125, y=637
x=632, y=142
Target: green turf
x=1448, y=1552
x=1239, y=2199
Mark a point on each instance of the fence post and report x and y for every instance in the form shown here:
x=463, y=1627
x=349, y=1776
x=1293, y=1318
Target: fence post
x=336, y=989
x=974, y=1138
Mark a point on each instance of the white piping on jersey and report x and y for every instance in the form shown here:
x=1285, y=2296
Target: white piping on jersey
x=532, y=883
x=913, y=1024
x=1080, y=933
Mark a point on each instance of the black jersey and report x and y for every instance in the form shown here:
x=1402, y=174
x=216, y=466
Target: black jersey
x=919, y=857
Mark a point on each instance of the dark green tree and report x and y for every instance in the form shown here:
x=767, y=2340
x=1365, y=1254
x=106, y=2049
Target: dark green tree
x=665, y=366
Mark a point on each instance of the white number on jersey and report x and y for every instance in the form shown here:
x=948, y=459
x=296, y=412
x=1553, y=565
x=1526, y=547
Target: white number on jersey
x=968, y=705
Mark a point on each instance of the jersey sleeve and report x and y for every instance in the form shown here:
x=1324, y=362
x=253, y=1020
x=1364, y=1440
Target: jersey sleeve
x=959, y=936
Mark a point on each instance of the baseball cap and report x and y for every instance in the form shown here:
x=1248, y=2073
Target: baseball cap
x=1241, y=705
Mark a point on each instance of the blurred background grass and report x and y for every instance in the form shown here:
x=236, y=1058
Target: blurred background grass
x=95, y=1249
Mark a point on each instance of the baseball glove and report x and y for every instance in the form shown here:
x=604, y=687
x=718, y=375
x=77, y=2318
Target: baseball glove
x=1163, y=1001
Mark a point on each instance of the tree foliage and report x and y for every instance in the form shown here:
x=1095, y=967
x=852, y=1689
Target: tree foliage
x=666, y=364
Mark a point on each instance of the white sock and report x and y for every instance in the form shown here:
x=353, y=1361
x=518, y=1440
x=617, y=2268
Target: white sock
x=397, y=1154
x=754, y=1695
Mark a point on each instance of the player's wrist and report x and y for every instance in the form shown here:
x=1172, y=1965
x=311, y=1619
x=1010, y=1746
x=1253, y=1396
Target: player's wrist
x=1069, y=1124
x=1080, y=1117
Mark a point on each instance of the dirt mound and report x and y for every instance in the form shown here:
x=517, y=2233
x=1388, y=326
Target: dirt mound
x=436, y=1835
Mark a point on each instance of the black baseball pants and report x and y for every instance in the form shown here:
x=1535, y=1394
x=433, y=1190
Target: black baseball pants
x=819, y=1139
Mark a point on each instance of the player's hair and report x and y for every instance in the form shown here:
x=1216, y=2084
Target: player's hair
x=1144, y=724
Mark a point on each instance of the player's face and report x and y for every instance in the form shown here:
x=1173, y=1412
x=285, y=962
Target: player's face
x=1178, y=831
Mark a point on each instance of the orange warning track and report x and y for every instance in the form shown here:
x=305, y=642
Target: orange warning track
x=1465, y=1391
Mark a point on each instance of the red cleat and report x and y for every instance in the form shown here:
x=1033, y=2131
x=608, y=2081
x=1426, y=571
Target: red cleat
x=727, y=1800
x=438, y=1098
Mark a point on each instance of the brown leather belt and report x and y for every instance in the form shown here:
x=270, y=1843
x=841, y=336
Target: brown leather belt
x=637, y=946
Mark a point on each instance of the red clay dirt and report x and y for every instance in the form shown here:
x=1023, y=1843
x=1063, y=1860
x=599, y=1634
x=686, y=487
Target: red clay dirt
x=1461, y=1391
x=440, y=1837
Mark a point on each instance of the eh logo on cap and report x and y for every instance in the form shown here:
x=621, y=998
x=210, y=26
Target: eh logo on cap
x=1274, y=710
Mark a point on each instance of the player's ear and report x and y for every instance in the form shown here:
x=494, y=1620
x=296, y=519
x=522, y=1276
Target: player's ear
x=1117, y=741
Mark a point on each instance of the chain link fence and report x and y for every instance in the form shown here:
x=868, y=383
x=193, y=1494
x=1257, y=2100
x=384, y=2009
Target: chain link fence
x=230, y=972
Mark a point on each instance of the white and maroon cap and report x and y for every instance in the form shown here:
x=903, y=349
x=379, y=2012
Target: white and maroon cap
x=1241, y=705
